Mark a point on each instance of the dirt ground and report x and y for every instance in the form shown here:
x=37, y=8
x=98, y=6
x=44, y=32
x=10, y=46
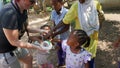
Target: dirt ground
x=107, y=55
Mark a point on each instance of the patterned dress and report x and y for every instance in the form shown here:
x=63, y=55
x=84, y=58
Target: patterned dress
x=75, y=60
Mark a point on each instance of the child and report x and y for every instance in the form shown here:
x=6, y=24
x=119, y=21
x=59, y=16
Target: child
x=76, y=55
x=49, y=59
x=56, y=16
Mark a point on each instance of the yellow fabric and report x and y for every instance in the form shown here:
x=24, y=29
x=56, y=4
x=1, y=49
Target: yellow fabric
x=72, y=14
x=98, y=5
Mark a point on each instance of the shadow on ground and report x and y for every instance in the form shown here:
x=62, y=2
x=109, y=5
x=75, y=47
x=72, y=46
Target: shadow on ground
x=107, y=55
x=117, y=11
x=110, y=31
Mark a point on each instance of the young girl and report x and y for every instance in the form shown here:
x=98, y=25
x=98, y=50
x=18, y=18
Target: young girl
x=46, y=59
x=76, y=55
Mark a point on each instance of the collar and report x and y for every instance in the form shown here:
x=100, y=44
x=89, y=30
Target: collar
x=15, y=5
x=61, y=11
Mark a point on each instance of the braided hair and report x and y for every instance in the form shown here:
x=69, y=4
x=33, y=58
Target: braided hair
x=82, y=38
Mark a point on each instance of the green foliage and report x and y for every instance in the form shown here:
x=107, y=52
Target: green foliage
x=49, y=9
x=6, y=1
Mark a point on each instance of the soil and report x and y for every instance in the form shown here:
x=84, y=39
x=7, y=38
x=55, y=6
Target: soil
x=107, y=55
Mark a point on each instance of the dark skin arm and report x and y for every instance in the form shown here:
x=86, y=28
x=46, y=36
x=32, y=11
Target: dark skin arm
x=61, y=24
x=64, y=29
x=54, y=32
x=87, y=65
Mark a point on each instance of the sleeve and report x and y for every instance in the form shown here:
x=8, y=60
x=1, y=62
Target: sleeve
x=98, y=6
x=71, y=14
x=87, y=56
x=64, y=45
x=9, y=20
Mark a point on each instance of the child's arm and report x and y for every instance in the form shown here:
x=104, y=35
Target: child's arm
x=87, y=65
x=87, y=58
x=56, y=40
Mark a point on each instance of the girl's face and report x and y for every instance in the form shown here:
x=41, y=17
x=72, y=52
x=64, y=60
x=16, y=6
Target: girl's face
x=47, y=29
x=56, y=5
x=72, y=41
x=82, y=1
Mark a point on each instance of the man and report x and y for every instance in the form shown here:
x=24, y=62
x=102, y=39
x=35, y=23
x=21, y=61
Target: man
x=13, y=24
